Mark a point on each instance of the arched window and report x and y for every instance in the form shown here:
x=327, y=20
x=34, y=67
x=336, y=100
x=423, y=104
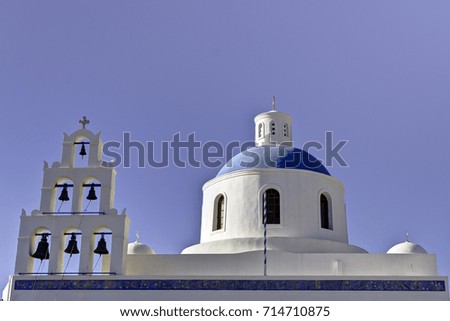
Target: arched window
x=271, y=206
x=219, y=213
x=326, y=221
x=260, y=130
x=286, y=130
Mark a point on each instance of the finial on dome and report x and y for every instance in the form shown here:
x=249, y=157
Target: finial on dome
x=84, y=121
x=406, y=236
x=137, y=236
x=273, y=102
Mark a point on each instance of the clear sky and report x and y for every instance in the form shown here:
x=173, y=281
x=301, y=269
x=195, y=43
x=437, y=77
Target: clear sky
x=374, y=73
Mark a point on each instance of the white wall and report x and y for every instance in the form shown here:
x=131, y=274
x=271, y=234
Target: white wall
x=57, y=226
x=300, y=206
x=282, y=263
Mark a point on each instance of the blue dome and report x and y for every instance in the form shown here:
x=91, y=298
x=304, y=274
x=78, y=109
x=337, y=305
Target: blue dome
x=273, y=157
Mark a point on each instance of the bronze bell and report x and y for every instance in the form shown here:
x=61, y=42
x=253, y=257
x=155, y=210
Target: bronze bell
x=91, y=195
x=72, y=246
x=42, y=249
x=101, y=246
x=83, y=150
x=64, y=194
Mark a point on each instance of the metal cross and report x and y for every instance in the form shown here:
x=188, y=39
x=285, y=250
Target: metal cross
x=84, y=121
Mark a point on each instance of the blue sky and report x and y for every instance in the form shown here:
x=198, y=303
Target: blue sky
x=374, y=73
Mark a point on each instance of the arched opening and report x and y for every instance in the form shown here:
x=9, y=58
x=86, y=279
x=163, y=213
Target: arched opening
x=91, y=193
x=260, y=130
x=102, y=251
x=286, y=130
x=271, y=206
x=63, y=196
x=72, y=247
x=219, y=213
x=326, y=219
x=81, y=152
x=40, y=250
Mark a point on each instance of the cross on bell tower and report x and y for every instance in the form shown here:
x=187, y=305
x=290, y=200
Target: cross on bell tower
x=84, y=121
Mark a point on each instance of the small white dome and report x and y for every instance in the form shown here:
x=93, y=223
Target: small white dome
x=406, y=248
x=139, y=248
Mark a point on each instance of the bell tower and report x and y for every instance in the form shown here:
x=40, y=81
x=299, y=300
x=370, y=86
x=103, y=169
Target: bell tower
x=77, y=210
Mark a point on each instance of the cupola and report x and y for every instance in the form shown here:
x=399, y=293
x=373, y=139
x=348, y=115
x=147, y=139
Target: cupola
x=273, y=128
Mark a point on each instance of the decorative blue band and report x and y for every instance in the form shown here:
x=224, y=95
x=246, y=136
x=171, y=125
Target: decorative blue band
x=234, y=285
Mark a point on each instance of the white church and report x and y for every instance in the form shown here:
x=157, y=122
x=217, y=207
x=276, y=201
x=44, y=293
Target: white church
x=273, y=227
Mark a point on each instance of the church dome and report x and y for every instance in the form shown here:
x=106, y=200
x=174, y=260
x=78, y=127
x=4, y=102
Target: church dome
x=407, y=248
x=274, y=157
x=139, y=248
